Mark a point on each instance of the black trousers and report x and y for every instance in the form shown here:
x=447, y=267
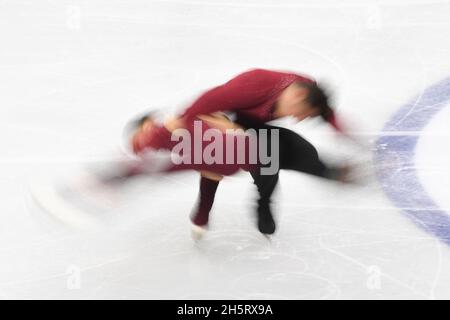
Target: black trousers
x=295, y=153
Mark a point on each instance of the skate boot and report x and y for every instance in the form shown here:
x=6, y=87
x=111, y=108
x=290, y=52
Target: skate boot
x=200, y=216
x=266, y=223
x=199, y=225
x=266, y=185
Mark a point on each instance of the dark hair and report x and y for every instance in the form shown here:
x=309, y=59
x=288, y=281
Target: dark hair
x=136, y=123
x=318, y=97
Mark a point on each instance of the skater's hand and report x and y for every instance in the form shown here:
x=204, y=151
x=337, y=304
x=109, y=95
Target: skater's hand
x=219, y=121
x=173, y=124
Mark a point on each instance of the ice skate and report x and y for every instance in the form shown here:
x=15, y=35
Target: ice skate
x=198, y=232
x=266, y=223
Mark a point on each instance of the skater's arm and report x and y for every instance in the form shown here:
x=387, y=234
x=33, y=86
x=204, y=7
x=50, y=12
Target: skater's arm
x=244, y=91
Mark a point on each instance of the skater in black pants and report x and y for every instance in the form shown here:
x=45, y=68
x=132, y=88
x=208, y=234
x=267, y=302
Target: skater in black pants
x=295, y=153
x=255, y=97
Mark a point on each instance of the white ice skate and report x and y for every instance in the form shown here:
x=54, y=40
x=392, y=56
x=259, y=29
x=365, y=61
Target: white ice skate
x=198, y=232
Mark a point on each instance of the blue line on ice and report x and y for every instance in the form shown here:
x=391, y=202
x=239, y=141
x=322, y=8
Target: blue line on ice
x=394, y=158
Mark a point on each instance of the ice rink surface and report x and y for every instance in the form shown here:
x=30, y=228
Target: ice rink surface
x=73, y=72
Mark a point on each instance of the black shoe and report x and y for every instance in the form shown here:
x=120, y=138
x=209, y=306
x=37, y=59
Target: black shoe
x=266, y=223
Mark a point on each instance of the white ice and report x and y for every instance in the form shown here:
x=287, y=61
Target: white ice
x=73, y=72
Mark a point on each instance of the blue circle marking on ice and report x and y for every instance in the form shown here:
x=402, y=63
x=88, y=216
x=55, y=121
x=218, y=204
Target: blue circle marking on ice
x=394, y=158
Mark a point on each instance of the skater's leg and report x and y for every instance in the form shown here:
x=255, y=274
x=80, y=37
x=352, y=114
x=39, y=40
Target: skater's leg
x=266, y=185
x=207, y=191
x=200, y=216
x=297, y=154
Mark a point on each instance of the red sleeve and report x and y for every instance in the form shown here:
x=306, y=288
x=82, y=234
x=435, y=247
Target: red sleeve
x=244, y=91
